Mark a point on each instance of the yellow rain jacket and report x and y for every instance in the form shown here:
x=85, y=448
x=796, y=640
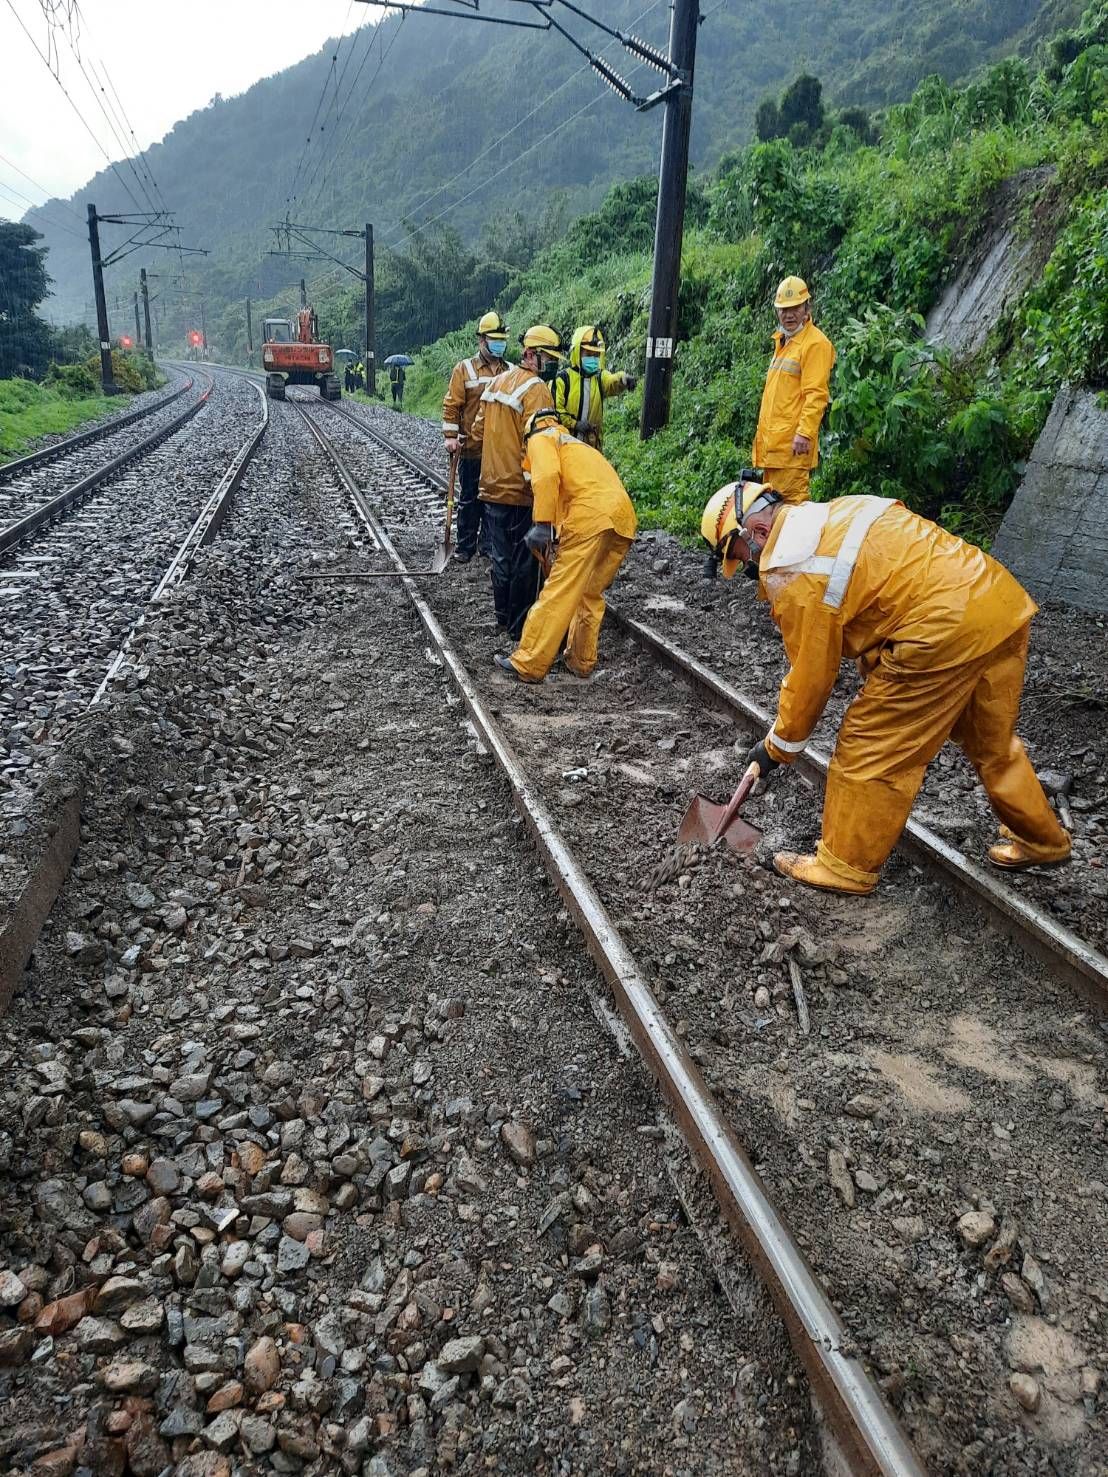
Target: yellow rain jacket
x=795, y=396
x=463, y=397
x=575, y=488
x=580, y=493
x=579, y=398
x=497, y=435
x=863, y=577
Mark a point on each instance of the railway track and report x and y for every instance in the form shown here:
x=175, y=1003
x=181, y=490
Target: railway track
x=946, y=1075
x=591, y=851
x=22, y=466
x=865, y=1427
x=75, y=586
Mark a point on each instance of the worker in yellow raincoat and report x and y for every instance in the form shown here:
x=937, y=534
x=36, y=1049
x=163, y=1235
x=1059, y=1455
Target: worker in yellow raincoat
x=460, y=404
x=797, y=392
x=505, y=488
x=581, y=388
x=579, y=496
x=940, y=632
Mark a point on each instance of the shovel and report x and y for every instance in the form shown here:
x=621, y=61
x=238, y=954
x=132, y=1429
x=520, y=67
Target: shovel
x=445, y=545
x=705, y=822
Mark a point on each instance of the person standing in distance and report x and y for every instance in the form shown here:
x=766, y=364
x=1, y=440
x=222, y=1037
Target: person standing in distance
x=797, y=392
x=459, y=410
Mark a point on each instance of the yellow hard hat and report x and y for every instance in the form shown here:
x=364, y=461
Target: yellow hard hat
x=542, y=336
x=791, y=292
x=538, y=420
x=725, y=513
x=592, y=337
x=492, y=323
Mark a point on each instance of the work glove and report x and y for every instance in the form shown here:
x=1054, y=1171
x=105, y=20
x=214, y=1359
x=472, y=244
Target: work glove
x=539, y=538
x=759, y=755
x=630, y=381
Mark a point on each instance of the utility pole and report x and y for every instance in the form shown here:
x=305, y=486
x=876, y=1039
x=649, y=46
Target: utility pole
x=146, y=311
x=138, y=326
x=370, y=325
x=287, y=231
x=670, y=221
x=107, y=378
x=203, y=328
x=249, y=329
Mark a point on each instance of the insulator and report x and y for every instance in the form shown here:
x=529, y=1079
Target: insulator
x=648, y=53
x=613, y=79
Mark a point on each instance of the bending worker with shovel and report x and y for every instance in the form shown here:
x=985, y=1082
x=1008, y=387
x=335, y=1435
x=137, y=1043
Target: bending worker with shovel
x=940, y=632
x=578, y=492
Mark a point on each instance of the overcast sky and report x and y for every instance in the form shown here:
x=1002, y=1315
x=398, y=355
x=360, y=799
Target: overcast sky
x=166, y=58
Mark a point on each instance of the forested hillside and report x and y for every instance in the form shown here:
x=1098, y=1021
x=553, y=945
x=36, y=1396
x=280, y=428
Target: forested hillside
x=877, y=228
x=454, y=126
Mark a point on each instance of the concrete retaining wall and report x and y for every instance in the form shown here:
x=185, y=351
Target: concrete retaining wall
x=1054, y=537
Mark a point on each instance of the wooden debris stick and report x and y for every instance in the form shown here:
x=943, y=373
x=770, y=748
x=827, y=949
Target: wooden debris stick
x=802, y=1018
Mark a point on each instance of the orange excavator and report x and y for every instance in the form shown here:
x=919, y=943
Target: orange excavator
x=293, y=355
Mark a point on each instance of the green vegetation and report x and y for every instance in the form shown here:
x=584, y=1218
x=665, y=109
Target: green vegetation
x=456, y=127
x=876, y=228
x=66, y=398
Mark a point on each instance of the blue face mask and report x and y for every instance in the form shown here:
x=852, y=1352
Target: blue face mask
x=590, y=363
x=496, y=347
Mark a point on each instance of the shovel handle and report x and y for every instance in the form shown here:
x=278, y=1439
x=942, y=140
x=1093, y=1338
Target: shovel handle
x=745, y=785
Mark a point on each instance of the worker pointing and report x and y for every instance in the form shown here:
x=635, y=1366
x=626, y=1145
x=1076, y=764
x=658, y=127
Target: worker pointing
x=581, y=388
x=459, y=411
x=505, y=406
x=579, y=496
x=940, y=632
x=786, y=443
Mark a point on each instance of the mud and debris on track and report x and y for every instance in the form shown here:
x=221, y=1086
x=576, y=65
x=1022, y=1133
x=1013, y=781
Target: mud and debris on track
x=314, y=1156
x=939, y=1137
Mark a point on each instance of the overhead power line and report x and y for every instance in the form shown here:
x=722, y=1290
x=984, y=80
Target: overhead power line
x=64, y=205
x=14, y=194
x=45, y=59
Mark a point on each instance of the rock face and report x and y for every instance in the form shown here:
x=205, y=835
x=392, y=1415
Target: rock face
x=1054, y=537
x=997, y=271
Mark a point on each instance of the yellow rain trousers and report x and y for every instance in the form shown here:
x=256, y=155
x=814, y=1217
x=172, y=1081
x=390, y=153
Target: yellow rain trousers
x=579, y=492
x=940, y=631
x=790, y=482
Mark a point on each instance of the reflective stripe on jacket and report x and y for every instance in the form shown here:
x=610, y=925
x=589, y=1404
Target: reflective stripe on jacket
x=576, y=488
x=863, y=577
x=463, y=397
x=505, y=405
x=795, y=396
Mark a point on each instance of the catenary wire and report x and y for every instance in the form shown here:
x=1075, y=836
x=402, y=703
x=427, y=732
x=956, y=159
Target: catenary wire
x=65, y=92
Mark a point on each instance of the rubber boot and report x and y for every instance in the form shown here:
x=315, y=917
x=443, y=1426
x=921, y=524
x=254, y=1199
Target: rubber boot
x=814, y=873
x=1011, y=854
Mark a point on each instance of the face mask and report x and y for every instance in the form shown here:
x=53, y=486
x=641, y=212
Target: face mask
x=548, y=369
x=751, y=570
x=590, y=364
x=496, y=347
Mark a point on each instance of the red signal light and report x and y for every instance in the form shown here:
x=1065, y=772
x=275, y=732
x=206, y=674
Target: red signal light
x=126, y=342
x=195, y=338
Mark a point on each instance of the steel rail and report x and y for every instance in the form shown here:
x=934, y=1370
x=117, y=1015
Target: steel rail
x=37, y=518
x=1025, y=922
x=33, y=459
x=872, y=1439
x=1032, y=927
x=202, y=532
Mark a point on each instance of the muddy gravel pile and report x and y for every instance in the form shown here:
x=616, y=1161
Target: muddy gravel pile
x=937, y=1134
x=314, y=1156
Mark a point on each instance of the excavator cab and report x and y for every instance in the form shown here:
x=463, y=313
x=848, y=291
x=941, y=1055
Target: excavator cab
x=293, y=355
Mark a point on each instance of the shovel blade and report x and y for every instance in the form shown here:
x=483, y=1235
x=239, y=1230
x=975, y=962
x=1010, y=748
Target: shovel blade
x=701, y=821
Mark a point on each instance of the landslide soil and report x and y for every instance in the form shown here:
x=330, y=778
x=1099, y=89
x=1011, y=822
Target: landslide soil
x=945, y=1074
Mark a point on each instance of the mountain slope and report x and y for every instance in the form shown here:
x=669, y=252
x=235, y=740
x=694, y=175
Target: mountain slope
x=449, y=91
